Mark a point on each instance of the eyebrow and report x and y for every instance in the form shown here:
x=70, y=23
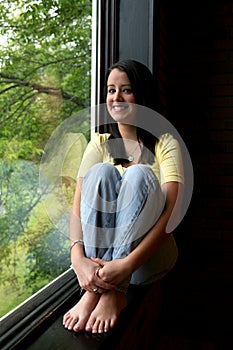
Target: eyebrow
x=121, y=85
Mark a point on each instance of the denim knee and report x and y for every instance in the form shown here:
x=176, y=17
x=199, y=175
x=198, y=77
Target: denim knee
x=140, y=174
x=103, y=171
x=100, y=187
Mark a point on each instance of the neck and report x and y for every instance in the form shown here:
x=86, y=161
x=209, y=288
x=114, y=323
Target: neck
x=128, y=131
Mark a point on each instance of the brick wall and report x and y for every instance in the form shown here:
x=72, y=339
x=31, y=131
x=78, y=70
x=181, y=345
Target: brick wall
x=199, y=103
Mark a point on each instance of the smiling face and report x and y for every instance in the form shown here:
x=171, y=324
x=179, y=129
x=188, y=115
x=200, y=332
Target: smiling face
x=120, y=98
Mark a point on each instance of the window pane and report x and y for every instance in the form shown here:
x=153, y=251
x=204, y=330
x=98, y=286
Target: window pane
x=45, y=80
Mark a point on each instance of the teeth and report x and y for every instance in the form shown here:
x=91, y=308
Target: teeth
x=118, y=108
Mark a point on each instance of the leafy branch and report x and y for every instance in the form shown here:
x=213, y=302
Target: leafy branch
x=50, y=90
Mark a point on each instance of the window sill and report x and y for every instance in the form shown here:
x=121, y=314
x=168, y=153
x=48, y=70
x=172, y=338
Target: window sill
x=27, y=318
x=37, y=323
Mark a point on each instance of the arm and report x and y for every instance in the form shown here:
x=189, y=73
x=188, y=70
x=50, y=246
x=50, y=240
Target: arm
x=116, y=271
x=162, y=229
x=85, y=269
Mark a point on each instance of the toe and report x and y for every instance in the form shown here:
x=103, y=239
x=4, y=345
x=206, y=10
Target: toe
x=79, y=326
x=95, y=327
x=67, y=323
x=72, y=323
x=107, y=326
x=89, y=326
x=113, y=322
x=65, y=318
x=101, y=327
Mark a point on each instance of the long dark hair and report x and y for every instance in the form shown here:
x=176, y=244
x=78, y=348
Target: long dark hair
x=144, y=90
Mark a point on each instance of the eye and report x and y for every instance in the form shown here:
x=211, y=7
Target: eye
x=111, y=90
x=127, y=91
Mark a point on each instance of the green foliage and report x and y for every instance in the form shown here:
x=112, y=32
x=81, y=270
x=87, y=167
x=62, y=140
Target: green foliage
x=19, y=195
x=45, y=74
x=45, y=66
x=48, y=249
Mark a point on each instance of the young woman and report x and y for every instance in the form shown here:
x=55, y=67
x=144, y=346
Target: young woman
x=128, y=191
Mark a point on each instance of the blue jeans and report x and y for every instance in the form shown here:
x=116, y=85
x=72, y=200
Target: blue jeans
x=118, y=211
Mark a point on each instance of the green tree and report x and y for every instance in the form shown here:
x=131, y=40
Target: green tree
x=45, y=73
x=45, y=70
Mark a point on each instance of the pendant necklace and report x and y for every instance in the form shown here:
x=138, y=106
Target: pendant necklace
x=131, y=156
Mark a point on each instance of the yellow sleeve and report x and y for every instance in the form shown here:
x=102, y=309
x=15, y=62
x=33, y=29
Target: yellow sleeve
x=95, y=153
x=168, y=154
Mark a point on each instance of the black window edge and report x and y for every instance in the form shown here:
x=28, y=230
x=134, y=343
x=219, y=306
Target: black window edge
x=20, y=322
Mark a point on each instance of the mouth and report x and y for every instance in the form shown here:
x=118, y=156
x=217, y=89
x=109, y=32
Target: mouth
x=120, y=107
x=121, y=111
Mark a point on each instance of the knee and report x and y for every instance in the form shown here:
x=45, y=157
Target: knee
x=140, y=173
x=103, y=171
x=106, y=170
x=142, y=176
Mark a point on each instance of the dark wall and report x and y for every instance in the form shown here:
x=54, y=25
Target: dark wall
x=189, y=47
x=196, y=81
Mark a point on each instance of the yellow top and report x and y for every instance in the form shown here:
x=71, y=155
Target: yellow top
x=167, y=166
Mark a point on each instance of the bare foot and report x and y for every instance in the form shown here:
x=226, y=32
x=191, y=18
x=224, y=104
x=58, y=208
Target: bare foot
x=76, y=318
x=107, y=311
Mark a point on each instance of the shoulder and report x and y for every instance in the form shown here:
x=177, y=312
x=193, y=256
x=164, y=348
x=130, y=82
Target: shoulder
x=166, y=142
x=99, y=139
x=166, y=139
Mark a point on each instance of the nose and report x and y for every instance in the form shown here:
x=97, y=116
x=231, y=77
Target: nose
x=118, y=96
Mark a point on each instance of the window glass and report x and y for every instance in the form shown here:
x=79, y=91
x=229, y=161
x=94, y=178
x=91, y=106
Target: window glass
x=45, y=79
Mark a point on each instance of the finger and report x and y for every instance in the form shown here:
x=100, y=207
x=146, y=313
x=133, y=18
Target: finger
x=104, y=285
x=101, y=290
x=97, y=271
x=98, y=261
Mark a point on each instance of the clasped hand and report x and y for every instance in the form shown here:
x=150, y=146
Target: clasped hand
x=113, y=272
x=99, y=275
